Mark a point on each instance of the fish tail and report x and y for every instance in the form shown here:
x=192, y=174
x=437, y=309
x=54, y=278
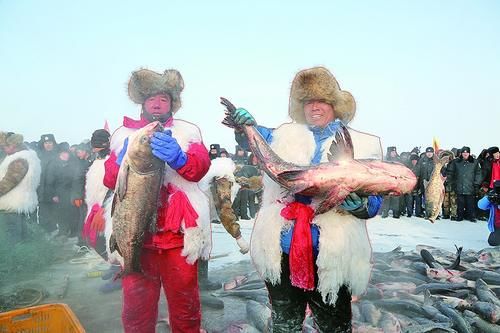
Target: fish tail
x=228, y=119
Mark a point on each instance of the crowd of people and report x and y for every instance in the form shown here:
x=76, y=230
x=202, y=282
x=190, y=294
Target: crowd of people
x=67, y=190
x=467, y=179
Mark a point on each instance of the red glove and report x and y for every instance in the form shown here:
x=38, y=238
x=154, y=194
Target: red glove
x=98, y=222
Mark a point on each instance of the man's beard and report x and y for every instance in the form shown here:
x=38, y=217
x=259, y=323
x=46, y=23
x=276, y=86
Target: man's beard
x=157, y=117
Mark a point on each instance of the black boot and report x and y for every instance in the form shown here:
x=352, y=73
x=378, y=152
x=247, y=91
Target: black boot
x=203, y=281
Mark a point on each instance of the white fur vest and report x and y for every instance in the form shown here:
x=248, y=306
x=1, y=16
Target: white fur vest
x=23, y=197
x=95, y=191
x=344, y=248
x=197, y=240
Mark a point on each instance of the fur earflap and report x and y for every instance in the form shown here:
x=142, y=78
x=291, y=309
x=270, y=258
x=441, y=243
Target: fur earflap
x=145, y=83
x=9, y=138
x=319, y=83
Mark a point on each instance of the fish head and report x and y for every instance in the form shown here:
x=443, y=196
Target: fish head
x=139, y=152
x=432, y=210
x=484, y=257
x=433, y=273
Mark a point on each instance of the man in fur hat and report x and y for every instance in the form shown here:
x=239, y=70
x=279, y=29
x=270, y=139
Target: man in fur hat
x=169, y=257
x=328, y=257
x=19, y=179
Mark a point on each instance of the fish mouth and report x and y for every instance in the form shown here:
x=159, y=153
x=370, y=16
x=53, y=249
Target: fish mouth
x=152, y=127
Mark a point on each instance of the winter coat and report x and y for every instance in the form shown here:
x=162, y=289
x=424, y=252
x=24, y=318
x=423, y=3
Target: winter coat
x=425, y=168
x=465, y=175
x=485, y=204
x=48, y=161
x=344, y=248
x=61, y=178
x=179, y=185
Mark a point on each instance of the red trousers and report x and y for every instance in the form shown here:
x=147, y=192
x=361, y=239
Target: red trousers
x=141, y=293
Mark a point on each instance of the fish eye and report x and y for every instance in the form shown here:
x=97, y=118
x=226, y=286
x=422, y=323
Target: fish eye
x=144, y=139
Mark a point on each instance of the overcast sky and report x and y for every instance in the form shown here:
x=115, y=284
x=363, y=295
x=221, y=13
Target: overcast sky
x=417, y=69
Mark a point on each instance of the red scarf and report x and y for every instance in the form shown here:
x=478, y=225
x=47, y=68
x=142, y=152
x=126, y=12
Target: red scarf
x=175, y=210
x=301, y=252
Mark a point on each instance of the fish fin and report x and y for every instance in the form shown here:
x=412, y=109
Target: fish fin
x=428, y=300
x=341, y=147
x=291, y=175
x=334, y=198
x=122, y=181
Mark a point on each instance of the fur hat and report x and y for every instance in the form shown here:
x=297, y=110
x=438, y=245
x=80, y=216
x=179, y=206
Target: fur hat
x=493, y=150
x=319, y=83
x=414, y=157
x=429, y=150
x=47, y=137
x=465, y=149
x=10, y=138
x=145, y=83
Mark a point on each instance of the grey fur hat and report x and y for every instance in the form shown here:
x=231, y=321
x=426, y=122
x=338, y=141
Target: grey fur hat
x=145, y=83
x=319, y=83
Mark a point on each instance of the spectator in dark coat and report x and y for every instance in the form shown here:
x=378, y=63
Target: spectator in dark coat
x=466, y=177
x=414, y=199
x=82, y=163
x=425, y=167
x=48, y=153
x=392, y=202
x=61, y=179
x=240, y=156
x=214, y=151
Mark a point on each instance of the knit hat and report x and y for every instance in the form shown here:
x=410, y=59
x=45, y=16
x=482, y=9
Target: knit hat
x=318, y=83
x=100, y=139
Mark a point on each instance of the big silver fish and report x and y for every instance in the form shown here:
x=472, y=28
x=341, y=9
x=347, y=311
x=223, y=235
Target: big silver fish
x=332, y=181
x=434, y=188
x=135, y=202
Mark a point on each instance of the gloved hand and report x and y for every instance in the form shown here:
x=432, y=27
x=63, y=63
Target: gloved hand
x=352, y=202
x=166, y=148
x=243, y=244
x=243, y=117
x=120, y=156
x=78, y=203
x=98, y=222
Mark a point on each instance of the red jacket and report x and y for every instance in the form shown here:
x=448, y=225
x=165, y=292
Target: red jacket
x=197, y=165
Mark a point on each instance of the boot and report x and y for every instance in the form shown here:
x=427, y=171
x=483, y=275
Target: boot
x=203, y=281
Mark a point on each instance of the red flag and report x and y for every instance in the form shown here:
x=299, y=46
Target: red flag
x=106, y=126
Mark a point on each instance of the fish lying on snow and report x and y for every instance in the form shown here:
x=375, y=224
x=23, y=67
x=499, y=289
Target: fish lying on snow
x=135, y=202
x=331, y=181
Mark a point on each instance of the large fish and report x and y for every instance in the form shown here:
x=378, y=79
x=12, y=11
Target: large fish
x=136, y=198
x=434, y=188
x=333, y=181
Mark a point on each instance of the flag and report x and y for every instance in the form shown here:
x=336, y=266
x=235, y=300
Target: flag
x=435, y=144
x=106, y=126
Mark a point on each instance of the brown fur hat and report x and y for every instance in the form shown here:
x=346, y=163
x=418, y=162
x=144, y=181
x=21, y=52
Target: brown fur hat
x=319, y=83
x=145, y=83
x=9, y=138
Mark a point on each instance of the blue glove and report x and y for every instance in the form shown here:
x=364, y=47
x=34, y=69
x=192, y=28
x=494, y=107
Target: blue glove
x=352, y=202
x=120, y=156
x=243, y=117
x=166, y=148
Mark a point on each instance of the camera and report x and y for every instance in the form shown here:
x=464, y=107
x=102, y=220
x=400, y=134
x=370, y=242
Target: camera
x=494, y=195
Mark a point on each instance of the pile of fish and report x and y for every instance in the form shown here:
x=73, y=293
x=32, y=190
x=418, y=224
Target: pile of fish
x=425, y=290
x=431, y=290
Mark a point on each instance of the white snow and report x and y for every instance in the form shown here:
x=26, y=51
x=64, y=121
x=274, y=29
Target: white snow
x=385, y=235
